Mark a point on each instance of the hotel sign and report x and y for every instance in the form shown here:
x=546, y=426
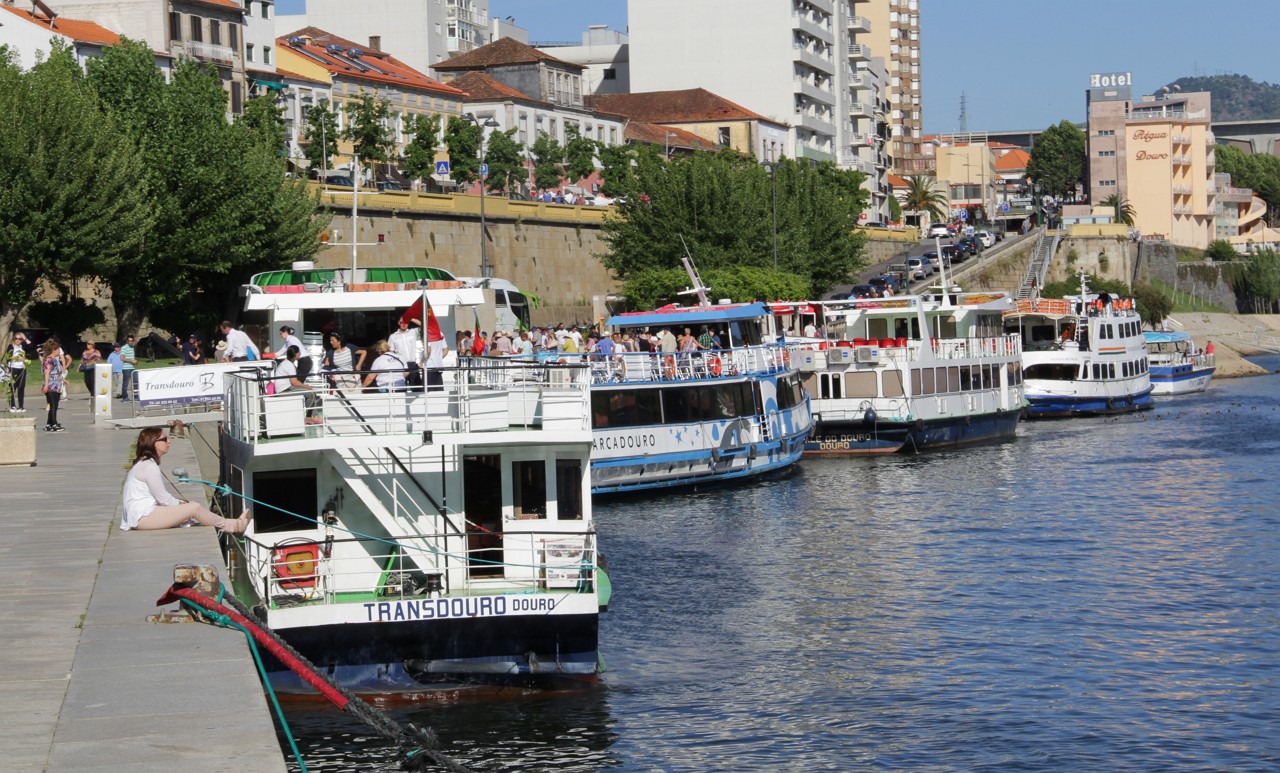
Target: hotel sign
x=1108, y=80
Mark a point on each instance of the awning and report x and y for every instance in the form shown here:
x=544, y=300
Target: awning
x=269, y=85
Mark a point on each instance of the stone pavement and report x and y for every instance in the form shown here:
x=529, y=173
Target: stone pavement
x=85, y=682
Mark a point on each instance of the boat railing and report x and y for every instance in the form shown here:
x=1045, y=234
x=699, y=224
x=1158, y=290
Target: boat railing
x=482, y=395
x=703, y=364
x=1204, y=360
x=296, y=570
x=902, y=351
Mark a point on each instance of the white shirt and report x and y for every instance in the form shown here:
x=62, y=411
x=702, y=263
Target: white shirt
x=143, y=491
x=239, y=345
x=390, y=371
x=404, y=344
x=291, y=340
x=810, y=330
x=436, y=351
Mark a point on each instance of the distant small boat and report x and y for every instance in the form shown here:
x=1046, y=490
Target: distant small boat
x=1177, y=367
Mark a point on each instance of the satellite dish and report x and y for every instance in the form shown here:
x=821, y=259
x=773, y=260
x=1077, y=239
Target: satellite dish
x=1177, y=87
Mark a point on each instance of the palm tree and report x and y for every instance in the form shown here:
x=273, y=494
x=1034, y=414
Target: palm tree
x=922, y=196
x=1125, y=213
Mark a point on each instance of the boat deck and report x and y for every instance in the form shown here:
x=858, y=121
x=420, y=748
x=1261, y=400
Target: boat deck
x=87, y=682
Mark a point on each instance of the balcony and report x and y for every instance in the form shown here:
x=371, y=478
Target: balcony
x=207, y=52
x=859, y=53
x=815, y=123
x=467, y=17
x=1211, y=160
x=1181, y=160
x=1182, y=190
x=813, y=59
x=815, y=92
x=861, y=110
x=813, y=28
x=859, y=25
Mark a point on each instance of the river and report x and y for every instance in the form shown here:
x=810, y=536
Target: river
x=1095, y=593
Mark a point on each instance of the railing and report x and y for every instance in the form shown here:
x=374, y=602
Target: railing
x=211, y=52
x=467, y=17
x=649, y=367
x=484, y=395
x=297, y=570
x=859, y=51
x=905, y=351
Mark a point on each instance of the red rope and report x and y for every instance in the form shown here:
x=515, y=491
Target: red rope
x=263, y=638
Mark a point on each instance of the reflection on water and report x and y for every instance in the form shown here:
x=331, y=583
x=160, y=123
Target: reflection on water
x=1094, y=593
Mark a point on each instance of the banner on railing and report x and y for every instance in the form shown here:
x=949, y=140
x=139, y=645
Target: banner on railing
x=186, y=385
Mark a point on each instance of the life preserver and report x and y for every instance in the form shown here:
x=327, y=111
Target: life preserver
x=713, y=364
x=669, y=367
x=786, y=358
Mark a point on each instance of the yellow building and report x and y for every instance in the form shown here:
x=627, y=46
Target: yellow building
x=967, y=173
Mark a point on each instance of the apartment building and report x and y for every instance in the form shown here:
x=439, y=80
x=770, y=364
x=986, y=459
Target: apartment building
x=419, y=33
x=604, y=56
x=894, y=35
x=29, y=33
x=1156, y=152
x=210, y=31
x=800, y=63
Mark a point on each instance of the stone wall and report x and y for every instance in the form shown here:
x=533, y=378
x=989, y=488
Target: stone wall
x=1158, y=261
x=1101, y=256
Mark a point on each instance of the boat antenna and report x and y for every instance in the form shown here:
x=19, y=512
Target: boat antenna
x=698, y=289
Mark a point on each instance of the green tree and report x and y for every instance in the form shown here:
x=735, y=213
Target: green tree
x=923, y=196
x=322, y=136
x=580, y=155
x=895, y=210
x=1221, y=249
x=619, y=177
x=548, y=162
x=73, y=200
x=1057, y=159
x=1123, y=209
x=463, y=137
x=721, y=205
x=1262, y=280
x=419, y=160
x=264, y=116
x=506, y=162
x=368, y=127
x=1154, y=304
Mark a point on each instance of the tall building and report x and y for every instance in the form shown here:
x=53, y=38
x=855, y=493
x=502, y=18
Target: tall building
x=801, y=63
x=894, y=34
x=419, y=33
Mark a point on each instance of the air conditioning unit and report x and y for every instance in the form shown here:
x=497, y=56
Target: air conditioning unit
x=840, y=355
x=805, y=360
x=561, y=376
x=866, y=354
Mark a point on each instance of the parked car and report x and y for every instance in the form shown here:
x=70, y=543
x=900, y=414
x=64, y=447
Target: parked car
x=892, y=281
x=339, y=180
x=874, y=224
x=390, y=185
x=864, y=291
x=919, y=268
x=931, y=259
x=987, y=238
x=939, y=229
x=969, y=245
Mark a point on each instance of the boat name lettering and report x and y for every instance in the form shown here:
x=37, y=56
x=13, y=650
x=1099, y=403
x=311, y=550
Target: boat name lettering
x=439, y=609
x=841, y=442
x=614, y=442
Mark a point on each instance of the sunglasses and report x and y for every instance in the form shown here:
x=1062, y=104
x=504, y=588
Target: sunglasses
x=165, y=438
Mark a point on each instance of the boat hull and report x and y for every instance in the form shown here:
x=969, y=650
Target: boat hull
x=1058, y=406
x=1179, y=380
x=880, y=437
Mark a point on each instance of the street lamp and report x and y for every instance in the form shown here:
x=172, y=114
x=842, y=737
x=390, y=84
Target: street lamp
x=486, y=271
x=666, y=153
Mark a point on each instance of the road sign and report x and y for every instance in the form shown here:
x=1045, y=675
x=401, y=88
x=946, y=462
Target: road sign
x=442, y=168
x=484, y=170
x=1004, y=206
x=964, y=214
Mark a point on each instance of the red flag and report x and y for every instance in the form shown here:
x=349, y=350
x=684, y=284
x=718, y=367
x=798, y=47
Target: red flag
x=477, y=347
x=433, y=325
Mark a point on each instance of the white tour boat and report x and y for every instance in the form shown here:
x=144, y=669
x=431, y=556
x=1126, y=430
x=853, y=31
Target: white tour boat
x=1177, y=367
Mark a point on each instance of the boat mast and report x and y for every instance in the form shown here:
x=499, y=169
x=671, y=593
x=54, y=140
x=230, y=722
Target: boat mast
x=698, y=288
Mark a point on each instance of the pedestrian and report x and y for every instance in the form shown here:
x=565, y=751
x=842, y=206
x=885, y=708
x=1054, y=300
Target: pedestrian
x=1208, y=347
x=239, y=347
x=437, y=350
x=387, y=370
x=148, y=505
x=191, y=352
x=117, y=368
x=90, y=359
x=288, y=378
x=345, y=361
x=17, y=365
x=54, y=386
x=404, y=342
x=304, y=356
x=526, y=346
x=129, y=363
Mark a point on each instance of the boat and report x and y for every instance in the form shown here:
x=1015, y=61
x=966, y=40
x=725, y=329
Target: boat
x=1082, y=355
x=1177, y=367
x=908, y=372
x=695, y=418
x=416, y=540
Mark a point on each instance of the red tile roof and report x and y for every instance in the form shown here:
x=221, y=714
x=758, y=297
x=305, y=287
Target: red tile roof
x=228, y=4
x=502, y=51
x=80, y=31
x=685, y=106
x=313, y=43
x=658, y=135
x=1014, y=159
x=482, y=87
x=898, y=182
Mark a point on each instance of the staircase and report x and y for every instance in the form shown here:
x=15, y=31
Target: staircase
x=1046, y=247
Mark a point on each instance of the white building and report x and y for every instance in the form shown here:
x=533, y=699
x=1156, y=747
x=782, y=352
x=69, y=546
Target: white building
x=29, y=33
x=605, y=57
x=419, y=33
x=260, y=35
x=803, y=63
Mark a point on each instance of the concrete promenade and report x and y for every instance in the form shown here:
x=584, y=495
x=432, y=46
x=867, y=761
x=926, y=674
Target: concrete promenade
x=85, y=682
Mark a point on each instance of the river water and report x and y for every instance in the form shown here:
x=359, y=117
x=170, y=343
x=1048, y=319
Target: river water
x=1097, y=593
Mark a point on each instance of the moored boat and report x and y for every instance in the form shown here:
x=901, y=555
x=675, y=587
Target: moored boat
x=911, y=372
x=1082, y=355
x=1177, y=367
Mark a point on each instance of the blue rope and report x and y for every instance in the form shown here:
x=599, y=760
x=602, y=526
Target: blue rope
x=226, y=622
x=392, y=543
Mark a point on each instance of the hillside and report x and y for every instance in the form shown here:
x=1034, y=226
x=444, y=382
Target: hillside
x=1236, y=97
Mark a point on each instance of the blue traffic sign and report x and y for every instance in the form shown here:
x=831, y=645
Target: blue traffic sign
x=442, y=168
x=484, y=170
x=964, y=214
x=1004, y=206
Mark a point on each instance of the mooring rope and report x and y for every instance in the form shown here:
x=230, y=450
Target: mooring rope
x=418, y=745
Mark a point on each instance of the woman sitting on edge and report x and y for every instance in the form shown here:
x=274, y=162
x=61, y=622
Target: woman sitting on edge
x=147, y=505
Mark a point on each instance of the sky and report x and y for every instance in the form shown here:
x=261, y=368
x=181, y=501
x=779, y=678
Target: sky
x=1020, y=65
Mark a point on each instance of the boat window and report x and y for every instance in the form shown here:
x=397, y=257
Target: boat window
x=953, y=378
x=291, y=491
x=988, y=377
x=832, y=386
x=966, y=379
x=1052, y=371
x=810, y=383
x=743, y=333
x=529, y=489
x=946, y=326
x=482, y=498
x=877, y=327
x=569, y=489
x=1111, y=370
x=860, y=384
x=906, y=328
x=892, y=380
x=630, y=408
x=925, y=384
x=1042, y=333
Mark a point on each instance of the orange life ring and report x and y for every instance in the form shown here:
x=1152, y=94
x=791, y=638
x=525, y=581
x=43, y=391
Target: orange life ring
x=713, y=364
x=669, y=367
x=786, y=357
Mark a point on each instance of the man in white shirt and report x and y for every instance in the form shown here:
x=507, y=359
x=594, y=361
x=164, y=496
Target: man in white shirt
x=404, y=342
x=666, y=341
x=436, y=352
x=576, y=336
x=238, y=344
